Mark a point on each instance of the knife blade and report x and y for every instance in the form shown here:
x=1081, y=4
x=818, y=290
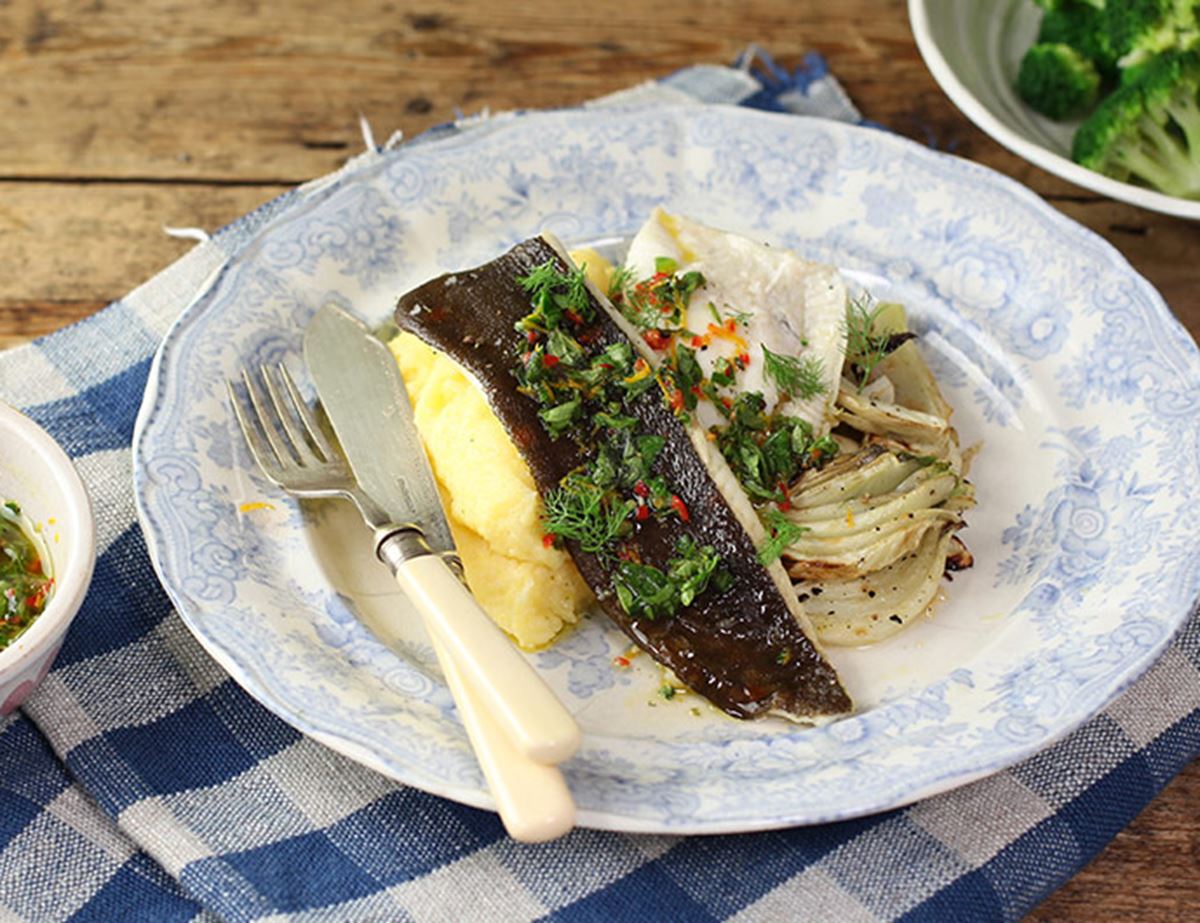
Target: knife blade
x=359, y=384
x=364, y=396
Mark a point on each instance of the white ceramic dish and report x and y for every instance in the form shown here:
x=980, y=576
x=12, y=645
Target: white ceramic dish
x=973, y=49
x=1067, y=365
x=39, y=477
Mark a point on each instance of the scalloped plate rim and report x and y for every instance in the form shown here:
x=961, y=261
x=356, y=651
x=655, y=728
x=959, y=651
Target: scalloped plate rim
x=261, y=690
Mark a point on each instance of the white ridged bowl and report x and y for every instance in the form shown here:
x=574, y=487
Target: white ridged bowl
x=37, y=474
x=973, y=49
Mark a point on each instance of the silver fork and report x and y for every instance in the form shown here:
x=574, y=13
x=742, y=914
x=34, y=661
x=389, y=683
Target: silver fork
x=292, y=451
x=307, y=465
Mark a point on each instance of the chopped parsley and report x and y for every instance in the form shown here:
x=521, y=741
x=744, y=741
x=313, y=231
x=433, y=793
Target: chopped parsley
x=802, y=378
x=645, y=591
x=682, y=379
x=583, y=393
x=767, y=452
x=560, y=417
x=659, y=302
x=784, y=533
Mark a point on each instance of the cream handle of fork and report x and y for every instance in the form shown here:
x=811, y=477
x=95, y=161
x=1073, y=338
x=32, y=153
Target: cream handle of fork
x=532, y=799
x=521, y=703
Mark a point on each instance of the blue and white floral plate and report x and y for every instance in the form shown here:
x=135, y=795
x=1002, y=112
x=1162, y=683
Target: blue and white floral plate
x=1064, y=364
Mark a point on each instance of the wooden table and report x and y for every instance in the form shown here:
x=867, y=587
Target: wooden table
x=117, y=118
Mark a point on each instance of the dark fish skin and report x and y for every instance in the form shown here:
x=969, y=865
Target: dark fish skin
x=724, y=646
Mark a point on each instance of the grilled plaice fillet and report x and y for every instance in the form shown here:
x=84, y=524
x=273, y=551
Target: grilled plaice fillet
x=742, y=647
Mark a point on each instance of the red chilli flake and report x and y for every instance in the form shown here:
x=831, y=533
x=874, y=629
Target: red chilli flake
x=550, y=361
x=531, y=336
x=548, y=540
x=573, y=317
x=680, y=507
x=656, y=340
x=641, y=489
x=642, y=514
x=677, y=400
x=620, y=661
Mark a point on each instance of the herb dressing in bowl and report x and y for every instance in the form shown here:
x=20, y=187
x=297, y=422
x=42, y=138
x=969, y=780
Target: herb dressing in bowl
x=47, y=552
x=26, y=578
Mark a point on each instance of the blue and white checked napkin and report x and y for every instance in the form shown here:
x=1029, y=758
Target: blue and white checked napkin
x=140, y=782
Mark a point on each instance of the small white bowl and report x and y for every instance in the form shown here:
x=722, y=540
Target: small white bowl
x=39, y=476
x=973, y=48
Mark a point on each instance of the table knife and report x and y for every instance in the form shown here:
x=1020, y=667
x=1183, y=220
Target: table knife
x=359, y=385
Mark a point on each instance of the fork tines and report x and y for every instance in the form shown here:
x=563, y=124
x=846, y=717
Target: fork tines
x=280, y=430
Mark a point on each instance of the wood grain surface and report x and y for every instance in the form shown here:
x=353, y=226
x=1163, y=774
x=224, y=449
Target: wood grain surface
x=120, y=118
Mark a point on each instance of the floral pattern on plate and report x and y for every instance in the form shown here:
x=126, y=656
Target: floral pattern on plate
x=1067, y=367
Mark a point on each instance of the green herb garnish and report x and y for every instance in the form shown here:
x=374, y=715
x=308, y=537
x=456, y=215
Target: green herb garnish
x=619, y=284
x=645, y=591
x=802, y=378
x=682, y=373
x=865, y=348
x=693, y=567
x=784, y=533
x=582, y=512
x=554, y=293
x=657, y=303
x=587, y=392
x=766, y=452
x=558, y=419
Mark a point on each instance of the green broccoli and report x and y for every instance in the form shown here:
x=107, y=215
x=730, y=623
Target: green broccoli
x=1052, y=5
x=1139, y=29
x=1082, y=26
x=1057, y=81
x=1149, y=129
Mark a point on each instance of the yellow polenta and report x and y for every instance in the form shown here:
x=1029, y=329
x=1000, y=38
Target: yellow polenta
x=530, y=591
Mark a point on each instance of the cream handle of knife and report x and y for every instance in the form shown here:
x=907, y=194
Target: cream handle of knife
x=532, y=799
x=538, y=724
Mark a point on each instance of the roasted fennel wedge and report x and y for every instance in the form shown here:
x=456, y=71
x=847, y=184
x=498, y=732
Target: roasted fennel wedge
x=873, y=528
x=870, y=608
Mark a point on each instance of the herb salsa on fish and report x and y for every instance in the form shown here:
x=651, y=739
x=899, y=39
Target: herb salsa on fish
x=625, y=488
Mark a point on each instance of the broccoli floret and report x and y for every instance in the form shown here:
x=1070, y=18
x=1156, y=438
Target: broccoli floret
x=1149, y=130
x=1139, y=29
x=1082, y=26
x=1057, y=81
